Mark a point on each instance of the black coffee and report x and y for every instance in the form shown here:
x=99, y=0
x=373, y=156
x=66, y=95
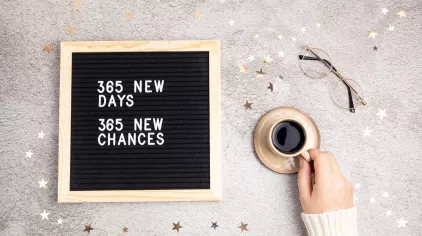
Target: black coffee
x=288, y=137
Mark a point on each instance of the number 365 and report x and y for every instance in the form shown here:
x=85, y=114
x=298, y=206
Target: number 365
x=110, y=124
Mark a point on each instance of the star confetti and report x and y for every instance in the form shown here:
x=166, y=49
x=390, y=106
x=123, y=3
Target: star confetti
x=177, y=226
x=44, y=215
x=88, y=228
x=256, y=36
x=293, y=39
x=243, y=68
x=29, y=154
x=198, y=14
x=303, y=29
x=125, y=229
x=271, y=87
x=248, y=105
x=214, y=225
x=70, y=30
x=281, y=53
x=268, y=59
x=251, y=58
x=42, y=183
x=60, y=221
x=384, y=10
x=243, y=227
x=48, y=48
x=381, y=113
x=367, y=132
x=280, y=36
x=388, y=213
x=401, y=13
x=386, y=194
x=76, y=4
x=129, y=15
x=260, y=73
x=372, y=200
x=318, y=25
x=231, y=22
x=375, y=48
x=357, y=186
x=372, y=34
x=391, y=28
x=41, y=134
x=402, y=223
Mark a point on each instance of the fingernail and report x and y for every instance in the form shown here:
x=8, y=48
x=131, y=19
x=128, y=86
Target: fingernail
x=301, y=162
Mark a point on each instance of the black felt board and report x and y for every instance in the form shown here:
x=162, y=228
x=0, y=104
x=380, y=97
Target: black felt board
x=182, y=162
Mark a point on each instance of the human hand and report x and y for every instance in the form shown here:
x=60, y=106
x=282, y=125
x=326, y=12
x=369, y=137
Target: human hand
x=330, y=191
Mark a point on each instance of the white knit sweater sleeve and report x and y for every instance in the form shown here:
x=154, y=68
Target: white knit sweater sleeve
x=333, y=223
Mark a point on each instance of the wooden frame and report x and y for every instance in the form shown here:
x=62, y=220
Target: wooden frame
x=64, y=193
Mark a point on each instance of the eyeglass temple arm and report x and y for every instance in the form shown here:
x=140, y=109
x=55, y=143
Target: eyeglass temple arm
x=349, y=92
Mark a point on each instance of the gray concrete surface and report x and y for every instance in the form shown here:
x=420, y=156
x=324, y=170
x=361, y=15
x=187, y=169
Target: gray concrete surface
x=387, y=161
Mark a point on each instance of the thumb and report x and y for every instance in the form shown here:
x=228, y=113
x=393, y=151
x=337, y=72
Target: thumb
x=304, y=181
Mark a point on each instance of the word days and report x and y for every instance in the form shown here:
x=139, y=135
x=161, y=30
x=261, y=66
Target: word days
x=146, y=131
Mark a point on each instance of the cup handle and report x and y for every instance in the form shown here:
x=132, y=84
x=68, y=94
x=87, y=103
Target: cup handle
x=305, y=154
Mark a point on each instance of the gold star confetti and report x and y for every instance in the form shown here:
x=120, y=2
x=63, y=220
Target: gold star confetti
x=256, y=36
x=70, y=30
x=48, y=48
x=270, y=87
x=243, y=227
x=198, y=14
x=391, y=28
x=372, y=34
x=125, y=229
x=268, y=60
x=76, y=4
x=88, y=228
x=401, y=13
x=177, y=226
x=260, y=73
x=243, y=68
x=248, y=105
x=129, y=15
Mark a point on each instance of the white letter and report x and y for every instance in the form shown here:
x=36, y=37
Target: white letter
x=137, y=124
x=112, y=100
x=157, y=123
x=129, y=102
x=137, y=86
x=139, y=139
x=99, y=141
x=147, y=86
x=121, y=140
x=132, y=139
x=160, y=138
x=146, y=124
x=121, y=98
x=159, y=84
x=101, y=100
x=150, y=139
x=112, y=138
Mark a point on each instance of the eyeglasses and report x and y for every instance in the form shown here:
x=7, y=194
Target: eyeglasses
x=316, y=64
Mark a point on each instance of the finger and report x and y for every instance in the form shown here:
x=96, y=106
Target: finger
x=322, y=165
x=335, y=166
x=304, y=181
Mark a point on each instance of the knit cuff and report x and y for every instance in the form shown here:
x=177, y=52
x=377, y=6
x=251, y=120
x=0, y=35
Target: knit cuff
x=333, y=223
